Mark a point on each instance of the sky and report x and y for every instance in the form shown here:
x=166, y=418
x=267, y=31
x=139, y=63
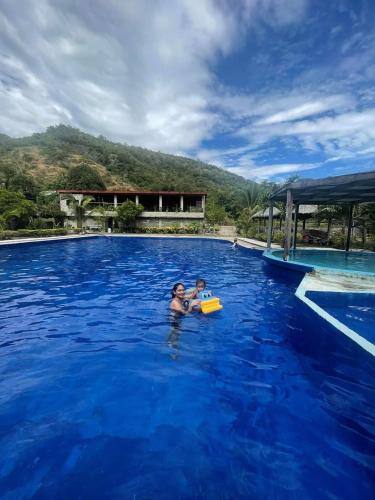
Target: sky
x=266, y=89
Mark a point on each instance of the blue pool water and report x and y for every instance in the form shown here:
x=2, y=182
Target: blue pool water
x=345, y=261
x=355, y=310
x=103, y=395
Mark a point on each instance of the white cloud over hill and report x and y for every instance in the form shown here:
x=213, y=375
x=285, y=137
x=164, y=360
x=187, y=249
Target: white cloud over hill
x=148, y=73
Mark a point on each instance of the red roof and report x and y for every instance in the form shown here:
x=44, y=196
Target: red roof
x=94, y=191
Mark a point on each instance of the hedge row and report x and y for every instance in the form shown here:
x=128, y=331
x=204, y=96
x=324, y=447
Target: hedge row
x=31, y=233
x=188, y=229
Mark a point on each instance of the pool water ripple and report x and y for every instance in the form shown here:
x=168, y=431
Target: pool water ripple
x=103, y=394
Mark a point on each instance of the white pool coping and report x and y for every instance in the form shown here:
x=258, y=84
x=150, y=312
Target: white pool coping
x=332, y=282
x=47, y=238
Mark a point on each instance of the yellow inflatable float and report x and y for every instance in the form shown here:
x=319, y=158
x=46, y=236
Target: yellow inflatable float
x=211, y=305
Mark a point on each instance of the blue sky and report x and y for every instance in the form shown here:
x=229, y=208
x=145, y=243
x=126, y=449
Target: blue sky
x=264, y=88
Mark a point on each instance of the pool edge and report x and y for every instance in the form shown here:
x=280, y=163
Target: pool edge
x=335, y=323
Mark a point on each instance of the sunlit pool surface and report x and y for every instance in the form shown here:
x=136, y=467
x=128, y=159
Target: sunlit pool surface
x=103, y=395
x=345, y=261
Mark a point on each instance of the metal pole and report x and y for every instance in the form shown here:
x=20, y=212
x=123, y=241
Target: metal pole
x=350, y=222
x=295, y=226
x=270, y=224
x=288, y=223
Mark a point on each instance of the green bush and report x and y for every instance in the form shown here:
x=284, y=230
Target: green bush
x=338, y=240
x=31, y=233
x=193, y=228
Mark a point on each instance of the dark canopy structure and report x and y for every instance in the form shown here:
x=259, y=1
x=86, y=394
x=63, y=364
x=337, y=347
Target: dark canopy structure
x=350, y=189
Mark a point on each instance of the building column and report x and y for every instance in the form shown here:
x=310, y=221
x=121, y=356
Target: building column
x=295, y=226
x=270, y=227
x=203, y=203
x=181, y=203
x=137, y=199
x=288, y=223
x=160, y=203
x=115, y=200
x=350, y=223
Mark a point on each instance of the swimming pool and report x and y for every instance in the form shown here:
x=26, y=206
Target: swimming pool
x=103, y=395
x=363, y=262
x=355, y=310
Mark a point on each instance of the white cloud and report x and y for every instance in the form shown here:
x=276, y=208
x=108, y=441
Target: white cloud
x=267, y=171
x=143, y=72
x=139, y=72
x=348, y=132
x=312, y=108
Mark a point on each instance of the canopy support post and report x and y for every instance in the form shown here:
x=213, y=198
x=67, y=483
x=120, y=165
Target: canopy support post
x=350, y=223
x=295, y=226
x=288, y=223
x=270, y=227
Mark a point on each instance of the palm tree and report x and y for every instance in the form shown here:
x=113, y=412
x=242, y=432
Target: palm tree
x=252, y=197
x=79, y=206
x=100, y=213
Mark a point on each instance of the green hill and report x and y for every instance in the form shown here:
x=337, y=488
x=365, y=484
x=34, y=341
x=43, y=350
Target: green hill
x=43, y=160
x=45, y=156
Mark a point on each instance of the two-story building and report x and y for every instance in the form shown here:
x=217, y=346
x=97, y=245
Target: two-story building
x=161, y=208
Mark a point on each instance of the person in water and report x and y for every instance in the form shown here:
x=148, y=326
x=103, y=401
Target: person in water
x=197, y=294
x=200, y=291
x=181, y=302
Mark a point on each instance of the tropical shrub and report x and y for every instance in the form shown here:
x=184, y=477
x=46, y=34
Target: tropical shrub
x=127, y=214
x=79, y=205
x=193, y=228
x=15, y=210
x=29, y=233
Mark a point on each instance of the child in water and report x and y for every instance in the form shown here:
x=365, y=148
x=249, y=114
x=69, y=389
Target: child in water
x=183, y=302
x=199, y=293
x=200, y=290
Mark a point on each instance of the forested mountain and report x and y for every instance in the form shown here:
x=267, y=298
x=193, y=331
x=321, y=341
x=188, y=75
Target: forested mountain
x=45, y=159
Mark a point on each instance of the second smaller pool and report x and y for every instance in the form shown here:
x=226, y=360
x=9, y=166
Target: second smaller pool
x=355, y=310
x=363, y=262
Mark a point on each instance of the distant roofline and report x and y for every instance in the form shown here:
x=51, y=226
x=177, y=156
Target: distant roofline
x=94, y=191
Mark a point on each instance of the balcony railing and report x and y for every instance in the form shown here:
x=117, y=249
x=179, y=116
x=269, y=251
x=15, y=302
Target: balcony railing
x=101, y=204
x=110, y=207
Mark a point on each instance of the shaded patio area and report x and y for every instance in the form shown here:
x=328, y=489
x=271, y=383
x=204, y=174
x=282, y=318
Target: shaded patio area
x=345, y=189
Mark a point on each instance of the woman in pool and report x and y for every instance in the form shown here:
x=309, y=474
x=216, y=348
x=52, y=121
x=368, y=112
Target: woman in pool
x=180, y=302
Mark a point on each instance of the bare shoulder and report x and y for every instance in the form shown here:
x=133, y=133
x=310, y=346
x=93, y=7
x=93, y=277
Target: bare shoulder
x=175, y=305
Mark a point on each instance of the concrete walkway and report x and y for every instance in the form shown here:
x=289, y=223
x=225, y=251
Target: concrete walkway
x=251, y=243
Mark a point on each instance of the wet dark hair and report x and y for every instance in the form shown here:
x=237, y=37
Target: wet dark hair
x=175, y=288
x=200, y=281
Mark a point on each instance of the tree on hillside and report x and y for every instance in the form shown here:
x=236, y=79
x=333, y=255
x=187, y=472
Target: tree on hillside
x=83, y=177
x=15, y=210
x=215, y=212
x=128, y=212
x=6, y=173
x=25, y=184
